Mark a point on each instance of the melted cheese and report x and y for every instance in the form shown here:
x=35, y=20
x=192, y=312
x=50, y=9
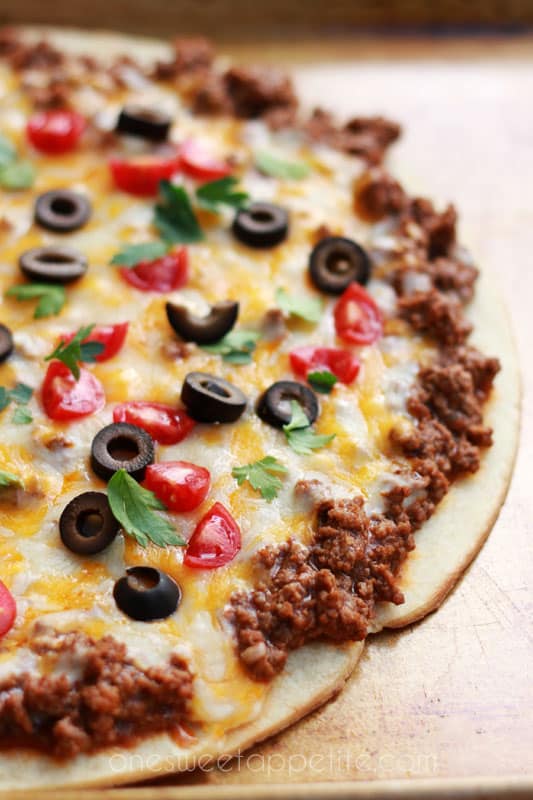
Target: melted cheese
x=70, y=593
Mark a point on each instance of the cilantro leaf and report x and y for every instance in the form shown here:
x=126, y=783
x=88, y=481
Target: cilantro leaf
x=236, y=347
x=22, y=416
x=220, y=193
x=174, y=217
x=133, y=254
x=21, y=394
x=133, y=507
x=322, y=381
x=259, y=476
x=278, y=168
x=300, y=435
x=7, y=151
x=17, y=175
x=52, y=297
x=77, y=351
x=4, y=398
x=303, y=306
x=8, y=478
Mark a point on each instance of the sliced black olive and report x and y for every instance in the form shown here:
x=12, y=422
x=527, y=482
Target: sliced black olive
x=335, y=262
x=261, y=225
x=274, y=405
x=62, y=210
x=87, y=525
x=144, y=122
x=146, y=593
x=6, y=343
x=203, y=330
x=211, y=399
x=54, y=264
x=121, y=446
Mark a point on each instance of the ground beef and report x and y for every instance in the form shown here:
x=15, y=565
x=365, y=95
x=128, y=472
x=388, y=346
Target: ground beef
x=190, y=55
x=260, y=92
x=436, y=315
x=449, y=275
x=439, y=227
x=482, y=369
x=113, y=702
x=377, y=195
x=40, y=55
x=367, y=137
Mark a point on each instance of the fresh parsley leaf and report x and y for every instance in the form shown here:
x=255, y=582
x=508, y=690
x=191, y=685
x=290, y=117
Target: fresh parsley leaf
x=21, y=394
x=17, y=175
x=7, y=151
x=4, y=398
x=8, y=478
x=322, y=381
x=133, y=507
x=174, y=217
x=303, y=306
x=133, y=254
x=278, y=168
x=300, y=435
x=22, y=416
x=77, y=351
x=220, y=193
x=51, y=297
x=259, y=476
x=236, y=347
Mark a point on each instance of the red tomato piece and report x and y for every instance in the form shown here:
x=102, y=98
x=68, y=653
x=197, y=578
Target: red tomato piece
x=216, y=540
x=55, y=132
x=8, y=609
x=197, y=162
x=142, y=175
x=111, y=336
x=162, y=275
x=343, y=364
x=65, y=398
x=180, y=485
x=165, y=424
x=358, y=320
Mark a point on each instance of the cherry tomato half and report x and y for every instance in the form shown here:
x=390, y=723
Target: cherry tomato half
x=111, y=336
x=162, y=275
x=358, y=320
x=343, y=364
x=141, y=175
x=55, y=132
x=197, y=162
x=8, y=609
x=66, y=398
x=216, y=540
x=165, y=424
x=180, y=485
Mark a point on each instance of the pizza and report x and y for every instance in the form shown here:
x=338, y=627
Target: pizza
x=247, y=404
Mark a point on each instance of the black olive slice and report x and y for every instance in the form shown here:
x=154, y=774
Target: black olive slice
x=121, y=446
x=146, y=593
x=335, y=262
x=62, y=210
x=261, y=225
x=212, y=399
x=6, y=342
x=87, y=525
x=144, y=122
x=274, y=405
x=203, y=330
x=53, y=264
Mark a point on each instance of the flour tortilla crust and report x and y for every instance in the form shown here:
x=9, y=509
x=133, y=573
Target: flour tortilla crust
x=445, y=546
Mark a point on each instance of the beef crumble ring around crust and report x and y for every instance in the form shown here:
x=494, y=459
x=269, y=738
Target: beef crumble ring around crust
x=114, y=702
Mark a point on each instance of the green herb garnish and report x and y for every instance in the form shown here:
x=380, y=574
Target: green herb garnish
x=20, y=395
x=14, y=173
x=7, y=151
x=303, y=306
x=261, y=475
x=220, y=193
x=134, y=508
x=174, y=217
x=51, y=297
x=278, y=168
x=77, y=351
x=9, y=479
x=236, y=347
x=300, y=435
x=22, y=416
x=133, y=254
x=322, y=381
